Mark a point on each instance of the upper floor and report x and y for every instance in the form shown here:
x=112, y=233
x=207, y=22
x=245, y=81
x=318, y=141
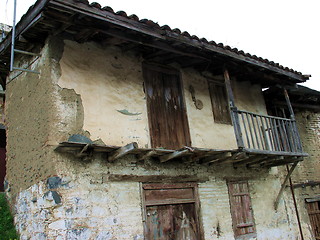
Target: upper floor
x=166, y=93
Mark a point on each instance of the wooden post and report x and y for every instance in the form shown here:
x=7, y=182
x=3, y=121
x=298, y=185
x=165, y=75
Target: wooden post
x=296, y=136
x=233, y=110
x=286, y=95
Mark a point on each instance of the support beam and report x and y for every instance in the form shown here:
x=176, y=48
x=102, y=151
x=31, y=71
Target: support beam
x=283, y=186
x=217, y=157
x=175, y=154
x=146, y=155
x=122, y=151
x=82, y=153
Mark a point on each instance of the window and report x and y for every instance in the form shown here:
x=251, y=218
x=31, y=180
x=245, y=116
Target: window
x=241, y=210
x=171, y=211
x=313, y=207
x=219, y=102
x=166, y=108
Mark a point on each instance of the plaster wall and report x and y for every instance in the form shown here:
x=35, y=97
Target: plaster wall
x=110, y=84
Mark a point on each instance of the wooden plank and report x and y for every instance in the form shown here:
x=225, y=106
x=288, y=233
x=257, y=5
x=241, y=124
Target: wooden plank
x=283, y=186
x=147, y=155
x=275, y=153
x=83, y=153
x=168, y=194
x=169, y=201
x=173, y=155
x=154, y=178
x=216, y=157
x=122, y=151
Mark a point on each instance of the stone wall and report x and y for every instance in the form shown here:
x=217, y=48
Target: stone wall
x=308, y=171
x=82, y=203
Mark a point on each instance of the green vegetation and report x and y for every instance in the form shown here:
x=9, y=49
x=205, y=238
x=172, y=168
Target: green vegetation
x=7, y=230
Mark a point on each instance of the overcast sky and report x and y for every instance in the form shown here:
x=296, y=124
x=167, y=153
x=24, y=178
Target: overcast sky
x=283, y=31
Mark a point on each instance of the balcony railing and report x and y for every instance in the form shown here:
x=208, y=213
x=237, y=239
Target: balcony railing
x=266, y=133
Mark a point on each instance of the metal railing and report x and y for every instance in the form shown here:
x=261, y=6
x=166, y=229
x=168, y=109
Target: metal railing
x=274, y=134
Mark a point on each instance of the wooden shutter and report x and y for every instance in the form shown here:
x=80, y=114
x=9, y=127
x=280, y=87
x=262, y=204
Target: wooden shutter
x=171, y=212
x=166, y=108
x=219, y=102
x=314, y=215
x=241, y=210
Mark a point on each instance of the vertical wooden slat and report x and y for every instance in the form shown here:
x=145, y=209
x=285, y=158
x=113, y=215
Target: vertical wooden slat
x=245, y=129
x=260, y=132
x=255, y=131
x=270, y=134
x=276, y=132
x=250, y=130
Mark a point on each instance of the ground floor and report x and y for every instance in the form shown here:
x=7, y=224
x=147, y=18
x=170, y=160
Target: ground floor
x=101, y=205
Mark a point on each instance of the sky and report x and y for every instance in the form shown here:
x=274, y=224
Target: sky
x=283, y=31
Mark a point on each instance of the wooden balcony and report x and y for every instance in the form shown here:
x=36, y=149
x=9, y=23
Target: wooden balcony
x=264, y=134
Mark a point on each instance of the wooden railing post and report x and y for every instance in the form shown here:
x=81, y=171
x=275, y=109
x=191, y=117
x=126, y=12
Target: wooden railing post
x=233, y=110
x=296, y=137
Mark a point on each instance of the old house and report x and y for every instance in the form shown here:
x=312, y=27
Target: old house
x=118, y=128
x=305, y=182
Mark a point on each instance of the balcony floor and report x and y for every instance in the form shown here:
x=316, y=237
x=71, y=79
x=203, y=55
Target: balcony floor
x=238, y=157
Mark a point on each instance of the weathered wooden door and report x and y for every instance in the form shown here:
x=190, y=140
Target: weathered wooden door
x=241, y=208
x=166, y=108
x=171, y=212
x=314, y=215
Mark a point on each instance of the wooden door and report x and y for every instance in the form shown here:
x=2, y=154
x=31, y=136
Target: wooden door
x=241, y=209
x=171, y=212
x=314, y=215
x=166, y=108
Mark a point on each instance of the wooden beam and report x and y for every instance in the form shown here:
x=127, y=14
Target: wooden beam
x=175, y=154
x=147, y=155
x=216, y=157
x=83, y=153
x=283, y=186
x=306, y=184
x=122, y=151
x=233, y=110
x=154, y=178
x=252, y=159
x=269, y=158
